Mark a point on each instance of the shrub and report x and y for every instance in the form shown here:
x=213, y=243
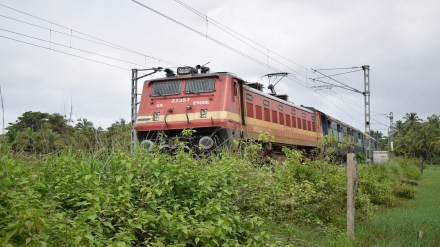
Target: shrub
x=406, y=191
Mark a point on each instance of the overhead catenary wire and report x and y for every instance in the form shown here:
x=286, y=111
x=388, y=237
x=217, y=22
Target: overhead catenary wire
x=340, y=68
x=234, y=34
x=71, y=47
x=207, y=36
x=343, y=73
x=91, y=38
x=333, y=79
x=262, y=63
x=63, y=52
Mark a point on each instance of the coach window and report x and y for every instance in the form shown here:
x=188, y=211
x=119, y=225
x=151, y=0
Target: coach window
x=293, y=122
x=265, y=102
x=164, y=88
x=280, y=107
x=200, y=86
x=304, y=115
x=304, y=124
x=293, y=112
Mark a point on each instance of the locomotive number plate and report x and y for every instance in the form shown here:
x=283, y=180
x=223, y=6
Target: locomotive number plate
x=182, y=100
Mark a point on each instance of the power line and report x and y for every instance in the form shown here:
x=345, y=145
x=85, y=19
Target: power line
x=341, y=68
x=101, y=41
x=333, y=79
x=337, y=74
x=207, y=36
x=217, y=41
x=62, y=52
x=70, y=47
x=233, y=33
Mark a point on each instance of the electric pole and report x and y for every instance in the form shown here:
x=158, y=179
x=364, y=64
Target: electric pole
x=366, y=93
x=390, y=134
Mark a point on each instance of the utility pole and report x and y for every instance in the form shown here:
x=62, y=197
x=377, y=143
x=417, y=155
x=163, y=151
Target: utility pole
x=390, y=134
x=366, y=93
x=134, y=100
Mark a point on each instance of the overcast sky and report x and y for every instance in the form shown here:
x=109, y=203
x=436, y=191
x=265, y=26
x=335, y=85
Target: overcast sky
x=400, y=40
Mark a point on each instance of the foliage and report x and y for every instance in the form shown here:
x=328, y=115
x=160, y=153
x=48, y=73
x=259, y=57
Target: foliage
x=416, y=138
x=123, y=199
x=42, y=133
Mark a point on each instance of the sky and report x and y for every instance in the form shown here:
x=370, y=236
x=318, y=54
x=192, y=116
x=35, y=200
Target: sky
x=74, y=57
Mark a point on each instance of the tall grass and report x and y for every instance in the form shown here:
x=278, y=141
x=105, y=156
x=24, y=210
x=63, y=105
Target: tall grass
x=401, y=226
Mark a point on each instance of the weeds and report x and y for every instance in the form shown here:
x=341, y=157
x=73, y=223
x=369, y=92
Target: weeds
x=114, y=197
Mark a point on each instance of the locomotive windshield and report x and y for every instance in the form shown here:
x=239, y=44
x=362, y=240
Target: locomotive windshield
x=166, y=88
x=199, y=86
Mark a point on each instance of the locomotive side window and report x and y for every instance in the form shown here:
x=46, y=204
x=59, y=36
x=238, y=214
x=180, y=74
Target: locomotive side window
x=293, y=122
x=288, y=120
x=258, y=113
x=266, y=114
x=249, y=110
x=166, y=88
x=274, y=116
x=200, y=86
x=281, y=118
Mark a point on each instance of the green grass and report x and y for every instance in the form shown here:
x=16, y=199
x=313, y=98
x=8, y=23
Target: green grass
x=400, y=226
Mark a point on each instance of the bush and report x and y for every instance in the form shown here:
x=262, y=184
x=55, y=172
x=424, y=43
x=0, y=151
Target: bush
x=133, y=199
x=122, y=198
x=406, y=191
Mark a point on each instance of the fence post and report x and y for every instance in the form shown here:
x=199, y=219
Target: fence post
x=351, y=192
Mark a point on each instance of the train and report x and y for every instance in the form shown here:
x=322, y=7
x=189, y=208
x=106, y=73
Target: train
x=221, y=107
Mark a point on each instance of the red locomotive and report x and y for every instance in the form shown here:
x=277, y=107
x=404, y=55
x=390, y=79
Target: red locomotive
x=222, y=107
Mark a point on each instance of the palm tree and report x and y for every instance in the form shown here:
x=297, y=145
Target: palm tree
x=411, y=121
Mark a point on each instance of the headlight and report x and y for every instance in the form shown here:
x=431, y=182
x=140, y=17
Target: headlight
x=186, y=70
x=203, y=113
x=156, y=116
